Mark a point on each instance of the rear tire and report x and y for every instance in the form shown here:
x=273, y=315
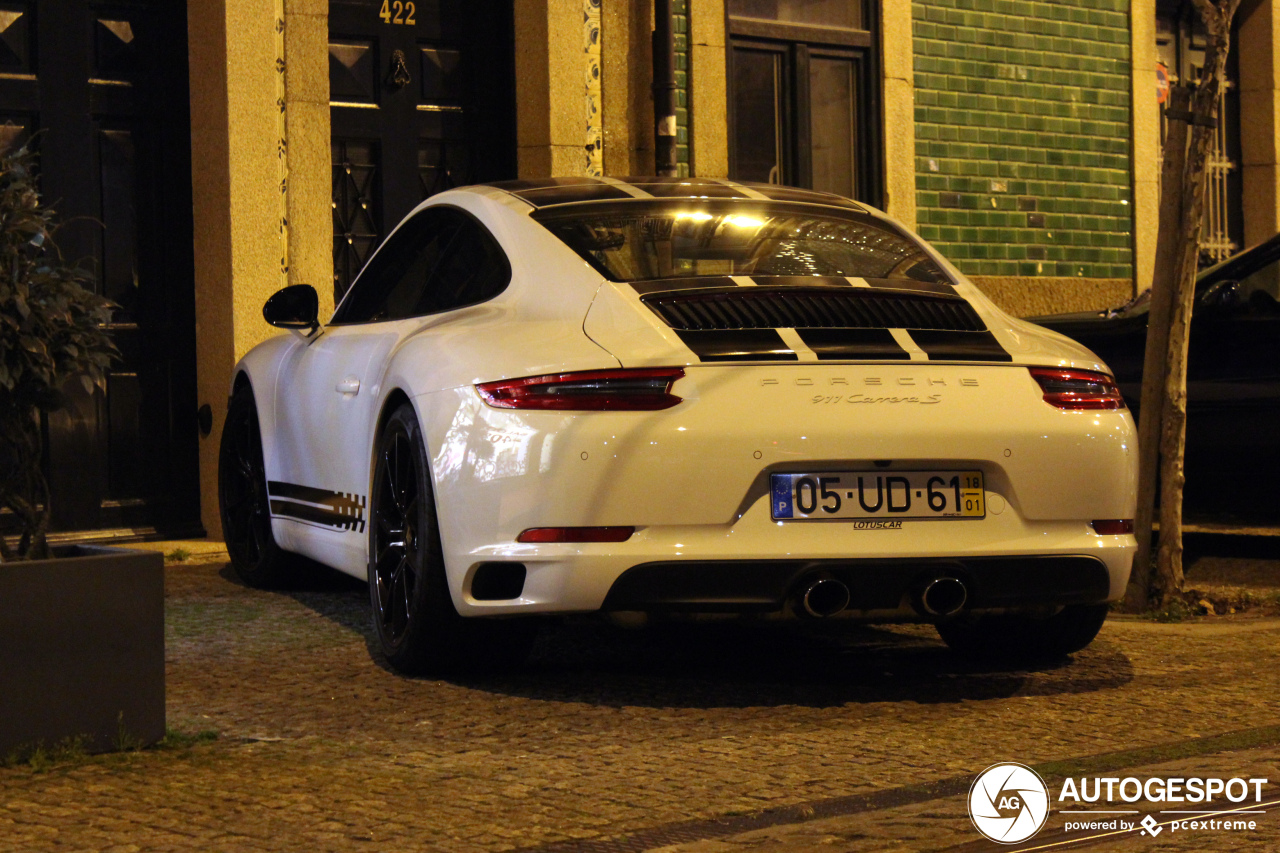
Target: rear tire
x=243, y=503
x=1020, y=638
x=418, y=628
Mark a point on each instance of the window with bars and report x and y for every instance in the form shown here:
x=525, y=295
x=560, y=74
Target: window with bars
x=1180, y=46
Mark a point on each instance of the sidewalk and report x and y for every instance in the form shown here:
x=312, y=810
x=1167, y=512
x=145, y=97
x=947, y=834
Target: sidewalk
x=615, y=740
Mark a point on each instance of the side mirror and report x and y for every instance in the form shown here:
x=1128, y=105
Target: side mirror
x=1222, y=296
x=294, y=307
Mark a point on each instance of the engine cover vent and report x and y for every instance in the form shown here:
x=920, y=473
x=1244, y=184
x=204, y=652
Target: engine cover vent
x=812, y=308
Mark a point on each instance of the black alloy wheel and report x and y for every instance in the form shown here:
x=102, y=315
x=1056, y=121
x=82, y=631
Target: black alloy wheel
x=418, y=628
x=242, y=497
x=416, y=623
x=396, y=550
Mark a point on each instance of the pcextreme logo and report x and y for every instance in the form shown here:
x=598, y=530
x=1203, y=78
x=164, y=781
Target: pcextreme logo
x=1008, y=802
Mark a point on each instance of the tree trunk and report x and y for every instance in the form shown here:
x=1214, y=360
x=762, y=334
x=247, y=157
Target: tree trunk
x=1202, y=116
x=1204, y=112
x=1137, y=597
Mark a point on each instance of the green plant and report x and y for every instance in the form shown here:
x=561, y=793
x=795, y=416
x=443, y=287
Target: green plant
x=177, y=739
x=1176, y=610
x=178, y=555
x=38, y=758
x=125, y=740
x=52, y=328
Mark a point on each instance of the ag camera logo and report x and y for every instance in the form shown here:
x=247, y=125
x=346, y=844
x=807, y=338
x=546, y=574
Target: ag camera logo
x=1008, y=803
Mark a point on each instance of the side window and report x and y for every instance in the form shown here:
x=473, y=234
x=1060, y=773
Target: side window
x=396, y=280
x=474, y=269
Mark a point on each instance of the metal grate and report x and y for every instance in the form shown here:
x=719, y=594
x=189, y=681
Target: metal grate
x=813, y=308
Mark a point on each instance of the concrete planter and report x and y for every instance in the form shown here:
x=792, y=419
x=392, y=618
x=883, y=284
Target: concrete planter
x=82, y=649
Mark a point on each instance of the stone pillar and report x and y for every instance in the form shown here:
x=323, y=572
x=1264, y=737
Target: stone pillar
x=236, y=185
x=899, y=112
x=627, y=65
x=708, y=91
x=550, y=94
x=310, y=195
x=1260, y=120
x=1146, y=141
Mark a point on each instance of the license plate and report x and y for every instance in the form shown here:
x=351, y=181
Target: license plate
x=878, y=494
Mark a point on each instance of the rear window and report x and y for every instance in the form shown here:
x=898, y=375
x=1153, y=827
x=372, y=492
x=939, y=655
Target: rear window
x=637, y=241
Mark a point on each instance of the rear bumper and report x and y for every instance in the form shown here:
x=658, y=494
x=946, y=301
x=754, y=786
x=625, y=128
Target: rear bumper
x=875, y=586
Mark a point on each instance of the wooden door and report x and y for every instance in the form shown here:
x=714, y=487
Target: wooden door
x=422, y=99
x=100, y=90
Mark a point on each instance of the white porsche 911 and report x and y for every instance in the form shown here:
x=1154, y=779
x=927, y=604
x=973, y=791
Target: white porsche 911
x=660, y=395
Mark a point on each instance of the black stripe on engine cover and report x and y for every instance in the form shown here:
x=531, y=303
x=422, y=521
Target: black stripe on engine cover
x=852, y=344
x=959, y=346
x=737, y=345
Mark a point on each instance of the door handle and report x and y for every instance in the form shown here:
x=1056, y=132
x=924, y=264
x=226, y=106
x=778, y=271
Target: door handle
x=349, y=386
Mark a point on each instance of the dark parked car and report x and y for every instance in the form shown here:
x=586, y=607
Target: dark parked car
x=1233, y=378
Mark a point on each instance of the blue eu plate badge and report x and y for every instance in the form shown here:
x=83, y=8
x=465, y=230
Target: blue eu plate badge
x=783, y=505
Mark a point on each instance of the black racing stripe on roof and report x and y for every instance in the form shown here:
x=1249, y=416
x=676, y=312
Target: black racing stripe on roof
x=778, y=193
x=737, y=345
x=912, y=284
x=660, y=187
x=959, y=346
x=704, y=282
x=707, y=190
x=544, y=183
x=663, y=285
x=660, y=180
x=551, y=191
x=853, y=344
x=548, y=196
x=801, y=280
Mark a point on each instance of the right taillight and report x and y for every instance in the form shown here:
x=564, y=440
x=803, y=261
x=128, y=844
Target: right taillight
x=1112, y=526
x=1077, y=389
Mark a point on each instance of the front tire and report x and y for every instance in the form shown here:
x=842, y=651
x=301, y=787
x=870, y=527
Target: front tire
x=418, y=629
x=243, y=503
x=1019, y=638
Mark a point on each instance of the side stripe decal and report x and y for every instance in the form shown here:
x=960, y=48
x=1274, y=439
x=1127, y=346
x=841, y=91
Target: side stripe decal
x=342, y=510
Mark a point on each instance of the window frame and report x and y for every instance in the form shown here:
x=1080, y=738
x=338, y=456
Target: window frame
x=797, y=43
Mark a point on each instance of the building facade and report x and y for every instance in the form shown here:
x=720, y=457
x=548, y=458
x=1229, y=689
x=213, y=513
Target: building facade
x=220, y=151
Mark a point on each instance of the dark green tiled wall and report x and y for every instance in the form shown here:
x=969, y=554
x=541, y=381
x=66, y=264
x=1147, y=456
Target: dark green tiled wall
x=680, y=27
x=1022, y=135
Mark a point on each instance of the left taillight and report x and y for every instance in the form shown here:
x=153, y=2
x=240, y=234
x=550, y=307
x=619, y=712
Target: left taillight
x=1078, y=389
x=640, y=389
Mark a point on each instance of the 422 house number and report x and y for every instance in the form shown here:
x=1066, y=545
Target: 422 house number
x=395, y=12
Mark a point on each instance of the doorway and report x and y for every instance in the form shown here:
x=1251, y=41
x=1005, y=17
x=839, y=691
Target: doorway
x=421, y=99
x=100, y=91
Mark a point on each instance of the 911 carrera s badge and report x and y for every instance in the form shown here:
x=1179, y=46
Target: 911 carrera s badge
x=828, y=399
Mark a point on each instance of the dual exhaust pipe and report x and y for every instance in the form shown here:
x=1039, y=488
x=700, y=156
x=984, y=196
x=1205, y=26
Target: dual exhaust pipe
x=939, y=597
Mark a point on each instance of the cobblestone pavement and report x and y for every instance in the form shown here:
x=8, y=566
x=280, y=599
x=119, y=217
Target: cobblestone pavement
x=672, y=737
